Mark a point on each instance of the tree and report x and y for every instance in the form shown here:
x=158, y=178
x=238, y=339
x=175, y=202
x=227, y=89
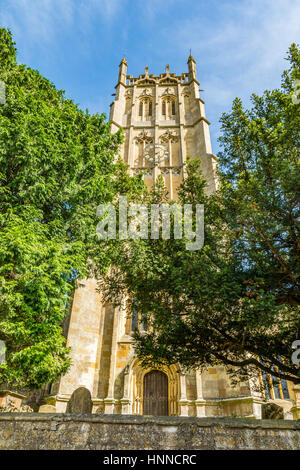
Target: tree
x=235, y=301
x=56, y=166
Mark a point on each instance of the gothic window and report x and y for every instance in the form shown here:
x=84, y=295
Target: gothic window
x=168, y=107
x=143, y=324
x=138, y=322
x=134, y=319
x=285, y=390
x=145, y=108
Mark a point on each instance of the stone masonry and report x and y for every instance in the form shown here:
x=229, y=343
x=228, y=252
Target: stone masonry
x=163, y=120
x=41, y=431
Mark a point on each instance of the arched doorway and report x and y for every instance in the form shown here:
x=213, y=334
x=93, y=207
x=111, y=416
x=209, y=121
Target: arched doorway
x=155, y=394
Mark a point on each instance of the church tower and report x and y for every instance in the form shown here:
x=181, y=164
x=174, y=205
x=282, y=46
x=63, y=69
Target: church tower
x=163, y=120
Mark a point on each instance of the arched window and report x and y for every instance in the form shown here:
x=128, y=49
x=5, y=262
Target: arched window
x=134, y=319
x=141, y=109
x=274, y=388
x=145, y=108
x=173, y=108
x=168, y=107
x=138, y=321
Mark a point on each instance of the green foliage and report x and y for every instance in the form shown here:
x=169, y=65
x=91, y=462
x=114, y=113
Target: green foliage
x=8, y=50
x=235, y=301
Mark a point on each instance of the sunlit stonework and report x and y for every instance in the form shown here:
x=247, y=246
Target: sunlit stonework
x=163, y=119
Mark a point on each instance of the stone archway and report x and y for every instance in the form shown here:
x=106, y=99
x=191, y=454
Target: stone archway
x=134, y=388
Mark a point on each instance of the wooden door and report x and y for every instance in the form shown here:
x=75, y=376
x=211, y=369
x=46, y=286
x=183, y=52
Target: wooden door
x=155, y=399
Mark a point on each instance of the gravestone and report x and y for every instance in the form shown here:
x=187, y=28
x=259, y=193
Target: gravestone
x=272, y=411
x=80, y=401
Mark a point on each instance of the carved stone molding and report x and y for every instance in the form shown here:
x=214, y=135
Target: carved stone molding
x=146, y=92
x=186, y=92
x=166, y=170
x=138, y=171
x=147, y=171
x=176, y=171
x=168, y=92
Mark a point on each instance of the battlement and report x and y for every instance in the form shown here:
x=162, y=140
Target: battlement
x=162, y=79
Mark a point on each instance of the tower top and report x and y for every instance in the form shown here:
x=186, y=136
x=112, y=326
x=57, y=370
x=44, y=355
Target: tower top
x=166, y=78
x=192, y=67
x=122, y=71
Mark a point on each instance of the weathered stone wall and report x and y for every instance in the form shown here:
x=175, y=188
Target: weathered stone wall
x=94, y=432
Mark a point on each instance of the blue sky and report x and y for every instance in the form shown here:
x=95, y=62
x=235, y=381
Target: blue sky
x=239, y=46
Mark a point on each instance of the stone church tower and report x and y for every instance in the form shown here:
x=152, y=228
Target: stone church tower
x=163, y=119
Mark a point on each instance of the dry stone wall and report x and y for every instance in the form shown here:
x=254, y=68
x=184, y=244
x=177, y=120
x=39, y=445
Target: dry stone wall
x=33, y=431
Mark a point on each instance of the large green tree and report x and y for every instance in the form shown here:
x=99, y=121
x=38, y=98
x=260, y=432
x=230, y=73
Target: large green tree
x=235, y=301
x=56, y=166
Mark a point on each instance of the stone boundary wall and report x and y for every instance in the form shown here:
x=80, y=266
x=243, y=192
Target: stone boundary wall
x=50, y=431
